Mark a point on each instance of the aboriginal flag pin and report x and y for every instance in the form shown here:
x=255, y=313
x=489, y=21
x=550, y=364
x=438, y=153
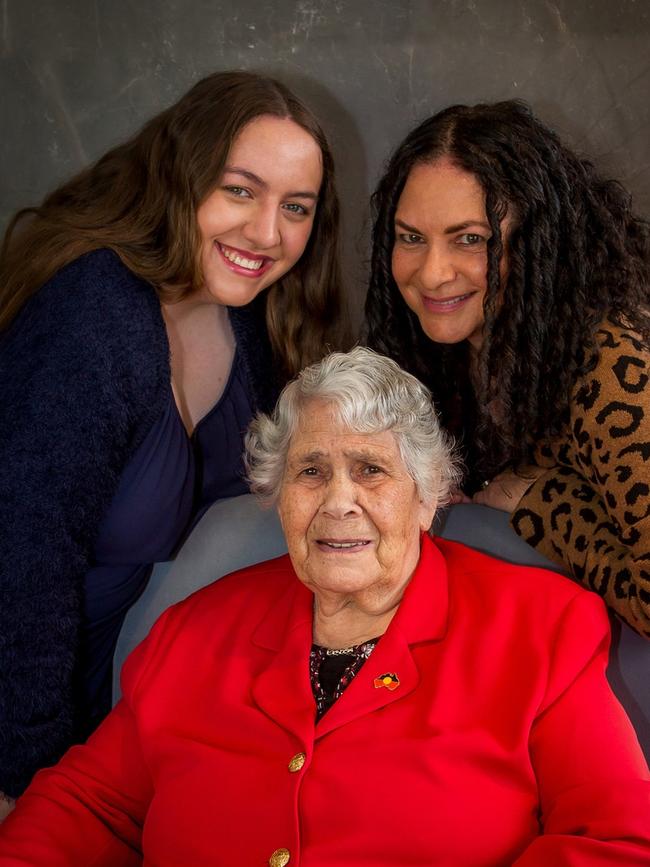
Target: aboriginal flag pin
x=390, y=680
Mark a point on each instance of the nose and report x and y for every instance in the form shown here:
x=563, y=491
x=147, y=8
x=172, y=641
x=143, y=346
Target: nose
x=341, y=498
x=438, y=267
x=262, y=229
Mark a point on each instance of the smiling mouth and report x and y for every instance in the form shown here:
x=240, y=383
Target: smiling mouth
x=342, y=545
x=238, y=261
x=446, y=304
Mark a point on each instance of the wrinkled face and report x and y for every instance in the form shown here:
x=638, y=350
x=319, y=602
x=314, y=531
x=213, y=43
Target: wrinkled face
x=255, y=225
x=350, y=511
x=440, y=251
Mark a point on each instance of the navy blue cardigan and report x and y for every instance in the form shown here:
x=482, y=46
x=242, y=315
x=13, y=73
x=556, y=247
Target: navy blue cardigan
x=84, y=373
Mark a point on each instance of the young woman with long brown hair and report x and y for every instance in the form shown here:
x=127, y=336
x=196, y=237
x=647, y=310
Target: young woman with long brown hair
x=136, y=343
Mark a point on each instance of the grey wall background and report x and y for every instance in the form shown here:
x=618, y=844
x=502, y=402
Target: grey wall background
x=77, y=76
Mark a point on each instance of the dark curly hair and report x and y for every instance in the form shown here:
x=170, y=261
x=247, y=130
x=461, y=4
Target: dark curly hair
x=577, y=255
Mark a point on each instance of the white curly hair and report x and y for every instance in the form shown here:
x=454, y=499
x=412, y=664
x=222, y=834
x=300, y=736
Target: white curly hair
x=371, y=394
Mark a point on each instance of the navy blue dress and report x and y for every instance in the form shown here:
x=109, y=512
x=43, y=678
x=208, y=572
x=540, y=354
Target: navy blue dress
x=170, y=481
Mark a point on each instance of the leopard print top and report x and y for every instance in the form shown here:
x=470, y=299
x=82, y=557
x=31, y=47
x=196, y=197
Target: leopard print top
x=591, y=510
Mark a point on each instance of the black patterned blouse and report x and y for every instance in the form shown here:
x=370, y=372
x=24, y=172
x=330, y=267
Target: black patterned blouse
x=332, y=671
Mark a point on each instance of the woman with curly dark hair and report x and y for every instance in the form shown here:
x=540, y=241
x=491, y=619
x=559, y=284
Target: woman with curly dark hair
x=515, y=282
x=148, y=308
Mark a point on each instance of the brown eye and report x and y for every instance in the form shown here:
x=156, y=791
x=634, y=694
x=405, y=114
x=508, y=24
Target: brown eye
x=237, y=192
x=295, y=208
x=409, y=238
x=470, y=239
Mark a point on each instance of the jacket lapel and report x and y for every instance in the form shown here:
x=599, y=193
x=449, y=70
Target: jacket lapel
x=391, y=656
x=282, y=690
x=421, y=616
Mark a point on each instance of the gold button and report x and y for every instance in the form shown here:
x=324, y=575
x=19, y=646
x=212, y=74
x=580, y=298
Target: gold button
x=297, y=762
x=280, y=858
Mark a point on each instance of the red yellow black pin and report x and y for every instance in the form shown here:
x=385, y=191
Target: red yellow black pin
x=390, y=680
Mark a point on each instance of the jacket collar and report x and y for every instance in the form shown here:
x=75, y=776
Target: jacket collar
x=421, y=616
x=283, y=689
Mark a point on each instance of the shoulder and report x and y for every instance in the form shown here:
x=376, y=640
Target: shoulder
x=242, y=597
x=534, y=598
x=88, y=356
x=615, y=340
x=259, y=583
x=609, y=400
x=620, y=365
x=228, y=610
x=95, y=319
x=623, y=357
x=95, y=293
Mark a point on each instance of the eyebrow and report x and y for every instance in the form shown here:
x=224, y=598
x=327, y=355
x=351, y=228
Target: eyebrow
x=363, y=455
x=368, y=457
x=450, y=230
x=255, y=179
x=309, y=457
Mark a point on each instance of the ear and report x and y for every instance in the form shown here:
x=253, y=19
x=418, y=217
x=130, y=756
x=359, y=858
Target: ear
x=280, y=508
x=426, y=513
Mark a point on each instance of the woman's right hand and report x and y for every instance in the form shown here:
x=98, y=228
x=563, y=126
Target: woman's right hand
x=457, y=496
x=6, y=806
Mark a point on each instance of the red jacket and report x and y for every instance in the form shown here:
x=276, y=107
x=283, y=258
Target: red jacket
x=501, y=744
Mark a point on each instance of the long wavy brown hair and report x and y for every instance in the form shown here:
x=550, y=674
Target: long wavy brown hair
x=577, y=254
x=140, y=200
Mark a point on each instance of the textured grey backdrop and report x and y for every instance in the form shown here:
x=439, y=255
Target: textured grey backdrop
x=77, y=76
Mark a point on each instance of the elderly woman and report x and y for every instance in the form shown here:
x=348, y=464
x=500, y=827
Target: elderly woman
x=373, y=698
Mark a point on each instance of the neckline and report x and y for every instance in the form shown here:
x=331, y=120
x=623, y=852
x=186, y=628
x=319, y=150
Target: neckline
x=213, y=409
x=352, y=650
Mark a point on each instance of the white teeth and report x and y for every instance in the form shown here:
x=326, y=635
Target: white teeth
x=451, y=301
x=251, y=264
x=344, y=544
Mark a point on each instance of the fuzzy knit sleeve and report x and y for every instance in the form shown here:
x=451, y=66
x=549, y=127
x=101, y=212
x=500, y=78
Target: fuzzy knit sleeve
x=591, y=510
x=80, y=372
